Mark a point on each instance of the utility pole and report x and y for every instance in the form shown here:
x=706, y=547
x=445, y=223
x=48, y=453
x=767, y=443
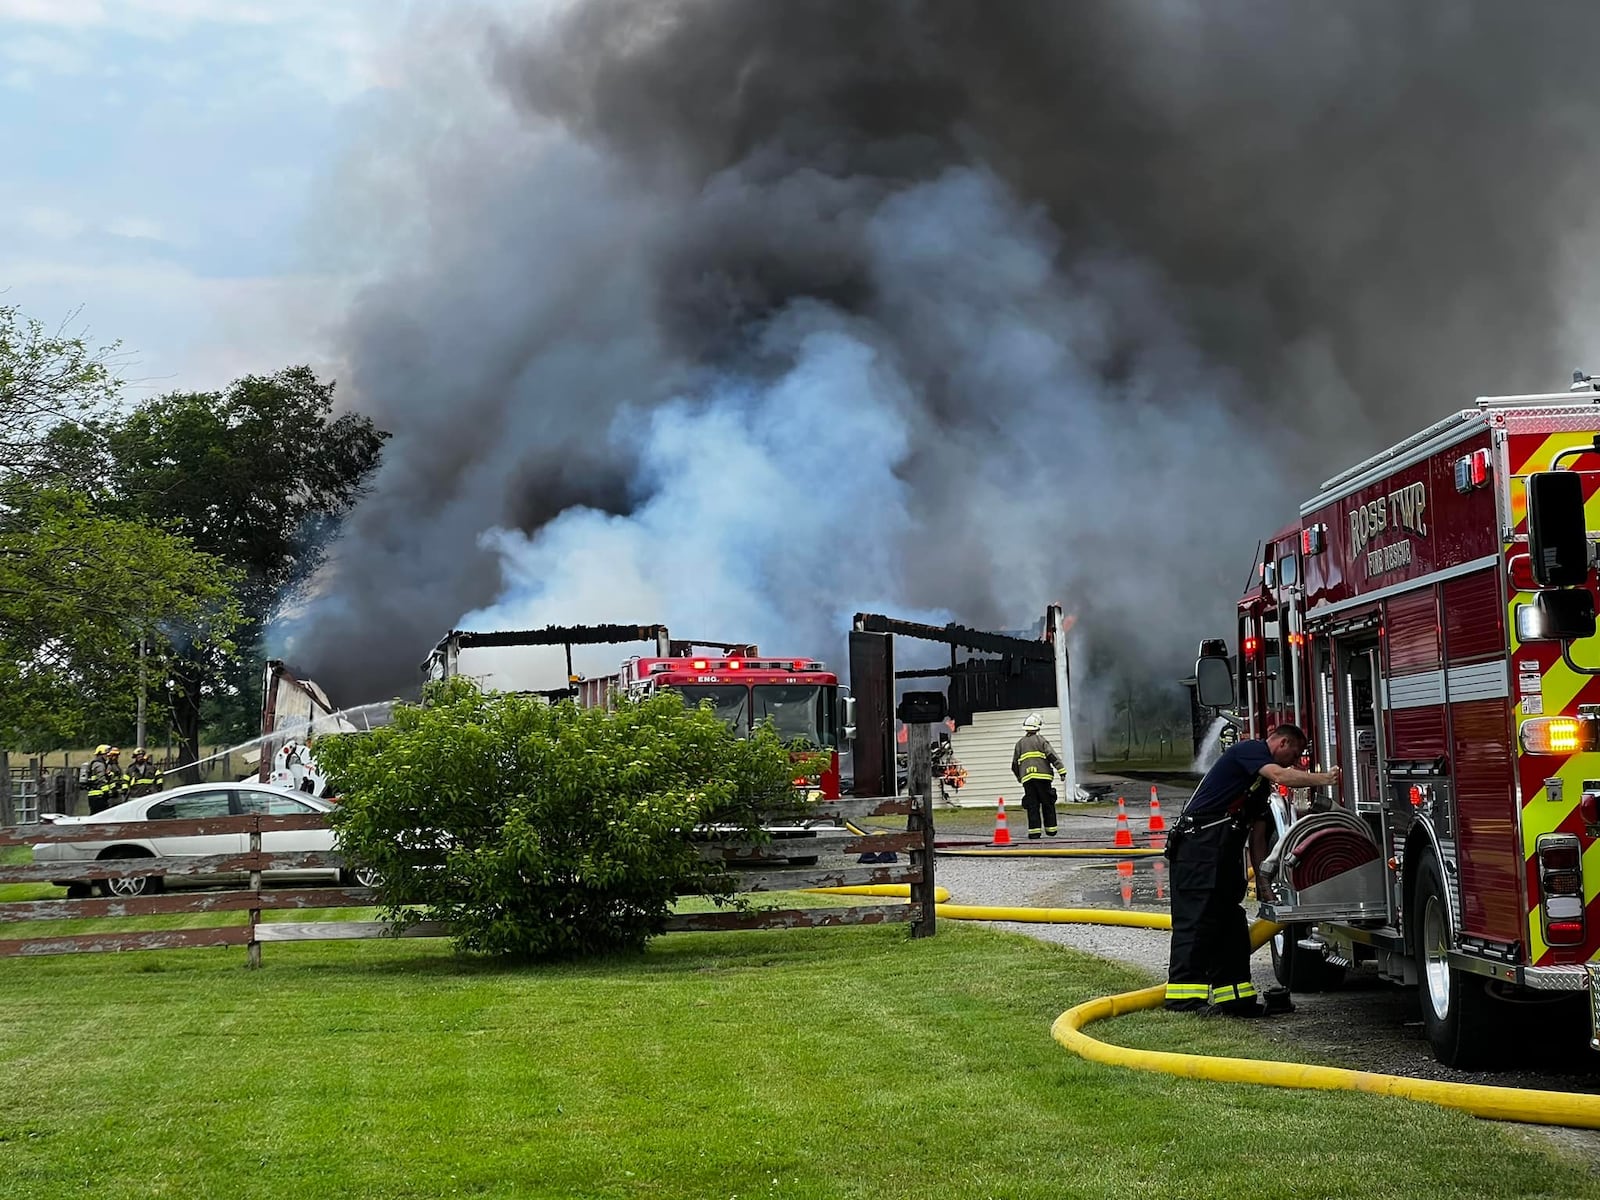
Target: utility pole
x=1055, y=625
x=138, y=735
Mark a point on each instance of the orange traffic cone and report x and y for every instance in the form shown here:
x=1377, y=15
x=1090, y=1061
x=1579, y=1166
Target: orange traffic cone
x=1002, y=835
x=1158, y=823
x=1124, y=833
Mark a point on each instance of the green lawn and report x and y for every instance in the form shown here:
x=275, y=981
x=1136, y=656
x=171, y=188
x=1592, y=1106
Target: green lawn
x=816, y=1063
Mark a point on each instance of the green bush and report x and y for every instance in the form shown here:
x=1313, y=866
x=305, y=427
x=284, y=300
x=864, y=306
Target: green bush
x=548, y=831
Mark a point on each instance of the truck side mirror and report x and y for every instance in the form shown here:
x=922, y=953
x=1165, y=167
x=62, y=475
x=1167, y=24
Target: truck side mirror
x=1213, y=682
x=1558, y=537
x=1564, y=616
x=847, y=717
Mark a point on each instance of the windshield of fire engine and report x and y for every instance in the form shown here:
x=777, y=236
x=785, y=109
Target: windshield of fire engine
x=799, y=711
x=730, y=701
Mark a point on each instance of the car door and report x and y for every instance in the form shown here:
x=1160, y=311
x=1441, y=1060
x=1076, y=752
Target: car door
x=194, y=806
x=281, y=841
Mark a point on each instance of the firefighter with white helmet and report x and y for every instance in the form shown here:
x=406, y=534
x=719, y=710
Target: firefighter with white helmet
x=1034, y=762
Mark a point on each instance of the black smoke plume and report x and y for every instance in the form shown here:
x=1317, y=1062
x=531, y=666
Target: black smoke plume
x=748, y=315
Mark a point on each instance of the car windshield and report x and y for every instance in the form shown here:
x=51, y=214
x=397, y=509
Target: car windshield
x=799, y=712
x=730, y=701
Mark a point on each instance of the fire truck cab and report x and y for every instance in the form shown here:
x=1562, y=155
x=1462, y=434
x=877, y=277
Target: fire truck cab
x=1430, y=623
x=799, y=696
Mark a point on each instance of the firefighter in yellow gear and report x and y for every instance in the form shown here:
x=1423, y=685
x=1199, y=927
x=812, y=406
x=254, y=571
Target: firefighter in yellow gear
x=144, y=777
x=103, y=778
x=1034, y=762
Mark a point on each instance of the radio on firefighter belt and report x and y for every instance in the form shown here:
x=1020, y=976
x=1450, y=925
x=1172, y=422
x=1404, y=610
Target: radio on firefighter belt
x=1233, y=816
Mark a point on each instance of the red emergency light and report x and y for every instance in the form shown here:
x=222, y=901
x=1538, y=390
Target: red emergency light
x=1250, y=646
x=734, y=664
x=700, y=664
x=1472, y=471
x=1313, y=540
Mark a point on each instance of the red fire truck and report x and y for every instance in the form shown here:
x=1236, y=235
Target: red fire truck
x=800, y=696
x=1430, y=622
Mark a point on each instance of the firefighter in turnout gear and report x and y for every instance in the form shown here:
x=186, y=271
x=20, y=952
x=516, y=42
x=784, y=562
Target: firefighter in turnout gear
x=1034, y=762
x=102, y=779
x=144, y=779
x=1209, y=967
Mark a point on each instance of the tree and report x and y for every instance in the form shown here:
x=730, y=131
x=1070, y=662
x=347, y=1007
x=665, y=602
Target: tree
x=260, y=476
x=79, y=589
x=47, y=380
x=546, y=832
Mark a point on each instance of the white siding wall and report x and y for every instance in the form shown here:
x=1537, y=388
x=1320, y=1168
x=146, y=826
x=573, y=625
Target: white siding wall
x=984, y=749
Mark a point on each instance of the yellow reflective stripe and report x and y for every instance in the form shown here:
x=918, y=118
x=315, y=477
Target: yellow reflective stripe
x=1221, y=995
x=1245, y=991
x=1033, y=754
x=1187, y=991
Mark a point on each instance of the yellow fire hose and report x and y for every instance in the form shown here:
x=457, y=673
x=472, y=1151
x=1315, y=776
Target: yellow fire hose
x=1529, y=1106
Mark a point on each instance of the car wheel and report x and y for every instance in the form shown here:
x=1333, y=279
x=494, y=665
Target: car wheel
x=367, y=877
x=1457, y=1011
x=137, y=885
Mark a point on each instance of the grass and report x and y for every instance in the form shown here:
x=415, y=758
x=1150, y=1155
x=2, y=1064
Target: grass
x=813, y=1063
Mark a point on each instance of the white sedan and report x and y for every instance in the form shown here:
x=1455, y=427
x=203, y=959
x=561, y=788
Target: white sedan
x=196, y=802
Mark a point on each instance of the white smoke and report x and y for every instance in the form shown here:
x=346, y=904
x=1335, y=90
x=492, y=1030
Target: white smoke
x=811, y=484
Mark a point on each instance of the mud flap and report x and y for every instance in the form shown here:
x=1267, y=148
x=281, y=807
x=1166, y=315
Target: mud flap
x=1593, y=970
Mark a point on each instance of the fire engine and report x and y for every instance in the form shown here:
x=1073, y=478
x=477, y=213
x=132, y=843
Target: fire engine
x=799, y=696
x=1430, y=622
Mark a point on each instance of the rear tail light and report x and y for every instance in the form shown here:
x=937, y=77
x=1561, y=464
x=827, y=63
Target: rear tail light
x=1558, y=735
x=1561, y=911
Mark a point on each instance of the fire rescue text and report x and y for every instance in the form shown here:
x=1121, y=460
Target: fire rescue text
x=1404, y=508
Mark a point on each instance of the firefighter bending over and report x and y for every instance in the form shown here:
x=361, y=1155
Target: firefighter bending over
x=1034, y=762
x=1210, y=963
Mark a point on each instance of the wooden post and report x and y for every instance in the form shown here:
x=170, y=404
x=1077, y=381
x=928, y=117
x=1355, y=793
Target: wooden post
x=253, y=949
x=8, y=815
x=919, y=783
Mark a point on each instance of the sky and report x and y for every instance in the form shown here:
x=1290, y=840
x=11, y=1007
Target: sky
x=165, y=161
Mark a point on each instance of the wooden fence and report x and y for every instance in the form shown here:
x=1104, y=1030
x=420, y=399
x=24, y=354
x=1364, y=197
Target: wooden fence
x=254, y=899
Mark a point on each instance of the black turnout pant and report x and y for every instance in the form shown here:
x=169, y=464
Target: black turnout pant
x=1039, y=799
x=1210, y=961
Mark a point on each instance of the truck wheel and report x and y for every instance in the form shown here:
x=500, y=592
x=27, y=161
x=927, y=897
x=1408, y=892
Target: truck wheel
x=1302, y=970
x=1457, y=1012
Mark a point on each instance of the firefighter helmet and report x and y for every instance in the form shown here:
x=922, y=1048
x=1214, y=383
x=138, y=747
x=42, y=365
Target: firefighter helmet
x=112, y=751
x=1032, y=723
x=102, y=748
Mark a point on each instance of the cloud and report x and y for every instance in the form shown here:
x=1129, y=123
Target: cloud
x=180, y=330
